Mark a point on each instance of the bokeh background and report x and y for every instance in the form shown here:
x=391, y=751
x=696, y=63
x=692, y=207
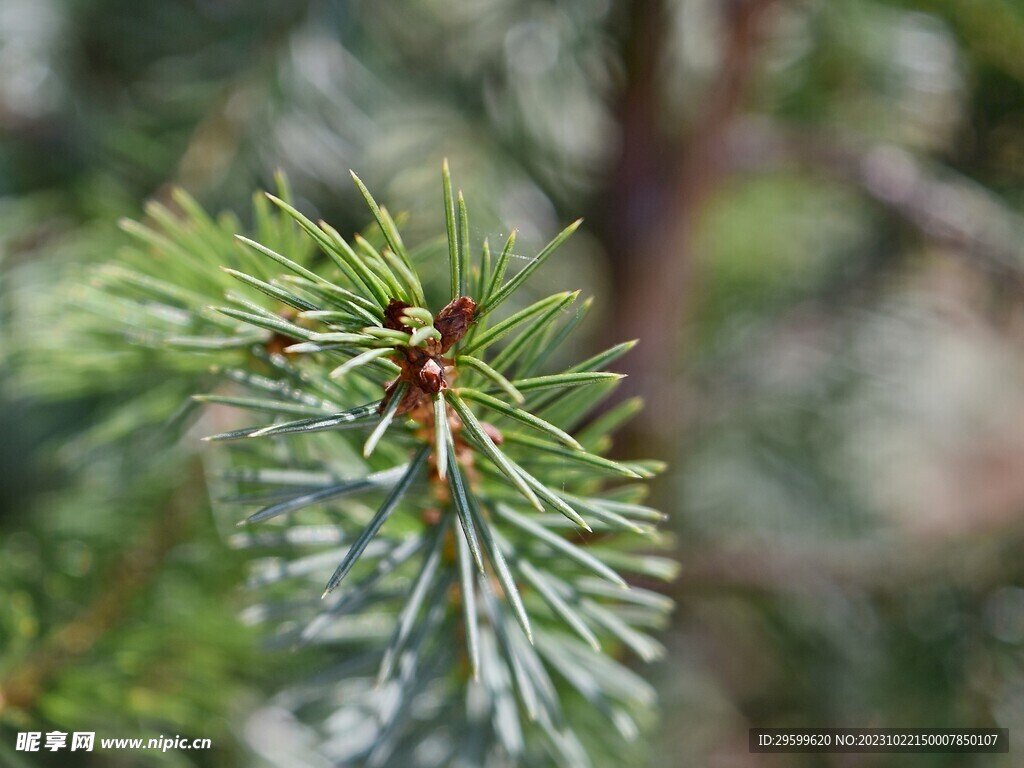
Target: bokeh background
x=808, y=210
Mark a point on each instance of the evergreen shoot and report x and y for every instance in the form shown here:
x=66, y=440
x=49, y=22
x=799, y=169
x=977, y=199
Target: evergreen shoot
x=436, y=504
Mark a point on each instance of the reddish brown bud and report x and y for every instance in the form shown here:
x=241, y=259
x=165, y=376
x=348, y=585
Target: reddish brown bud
x=494, y=433
x=392, y=314
x=454, y=320
x=432, y=376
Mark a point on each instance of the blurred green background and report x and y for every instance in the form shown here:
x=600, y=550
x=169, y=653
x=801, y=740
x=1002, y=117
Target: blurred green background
x=808, y=210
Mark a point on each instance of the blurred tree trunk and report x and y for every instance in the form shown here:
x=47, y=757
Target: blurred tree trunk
x=655, y=194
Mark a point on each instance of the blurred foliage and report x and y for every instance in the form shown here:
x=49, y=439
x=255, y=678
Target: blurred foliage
x=842, y=400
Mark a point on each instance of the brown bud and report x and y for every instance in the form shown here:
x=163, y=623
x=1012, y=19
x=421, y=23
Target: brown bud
x=454, y=320
x=394, y=310
x=432, y=376
x=493, y=432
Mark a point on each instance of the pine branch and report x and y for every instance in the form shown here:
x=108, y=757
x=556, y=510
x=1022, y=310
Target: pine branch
x=458, y=508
